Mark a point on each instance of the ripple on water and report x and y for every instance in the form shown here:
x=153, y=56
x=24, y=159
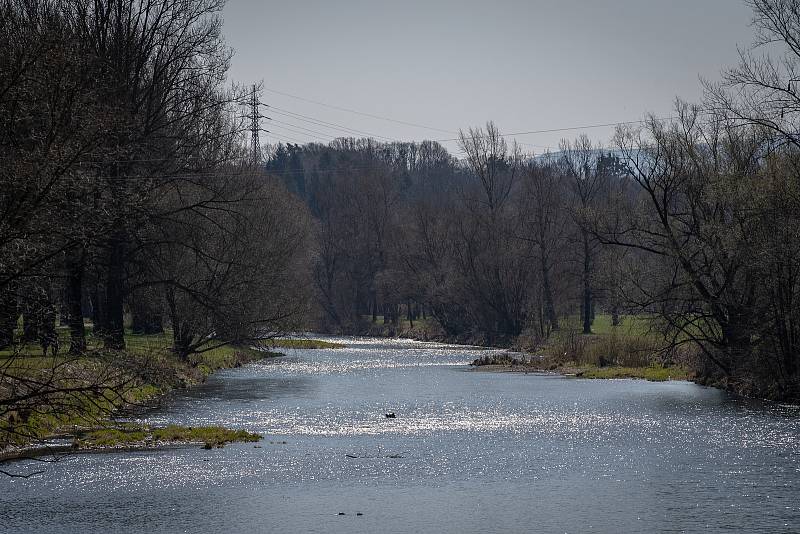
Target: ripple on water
x=468, y=452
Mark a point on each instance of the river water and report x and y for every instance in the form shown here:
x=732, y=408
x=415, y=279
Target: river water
x=468, y=452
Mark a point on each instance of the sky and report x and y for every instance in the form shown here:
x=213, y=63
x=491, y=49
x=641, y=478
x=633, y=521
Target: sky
x=436, y=66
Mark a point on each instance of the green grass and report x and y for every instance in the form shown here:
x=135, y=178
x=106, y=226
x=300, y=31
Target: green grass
x=147, y=367
x=652, y=373
x=628, y=350
x=156, y=345
x=136, y=436
x=146, y=344
x=134, y=343
x=34, y=349
x=111, y=437
x=629, y=325
x=228, y=356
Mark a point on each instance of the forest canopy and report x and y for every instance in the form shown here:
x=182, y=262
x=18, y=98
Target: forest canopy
x=131, y=203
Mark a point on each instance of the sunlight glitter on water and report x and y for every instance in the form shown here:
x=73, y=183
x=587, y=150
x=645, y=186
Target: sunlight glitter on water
x=364, y=355
x=473, y=422
x=338, y=367
x=634, y=456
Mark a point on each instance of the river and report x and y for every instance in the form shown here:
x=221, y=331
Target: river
x=469, y=452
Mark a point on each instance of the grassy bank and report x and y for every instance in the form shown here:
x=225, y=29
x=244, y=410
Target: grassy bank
x=653, y=373
x=142, y=436
x=109, y=381
x=626, y=350
x=136, y=376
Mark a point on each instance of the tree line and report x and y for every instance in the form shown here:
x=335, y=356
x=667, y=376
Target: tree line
x=125, y=190
x=490, y=246
x=690, y=222
x=128, y=197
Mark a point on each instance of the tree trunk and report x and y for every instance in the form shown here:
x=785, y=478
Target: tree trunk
x=181, y=341
x=73, y=293
x=540, y=319
x=736, y=336
x=48, y=335
x=8, y=316
x=587, y=288
x=96, y=299
x=549, y=308
x=113, y=327
x=181, y=338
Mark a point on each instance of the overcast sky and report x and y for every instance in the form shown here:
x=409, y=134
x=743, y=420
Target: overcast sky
x=527, y=65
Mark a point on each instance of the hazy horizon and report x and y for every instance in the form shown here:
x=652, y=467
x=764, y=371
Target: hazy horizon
x=525, y=65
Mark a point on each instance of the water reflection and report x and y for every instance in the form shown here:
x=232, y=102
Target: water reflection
x=231, y=387
x=468, y=452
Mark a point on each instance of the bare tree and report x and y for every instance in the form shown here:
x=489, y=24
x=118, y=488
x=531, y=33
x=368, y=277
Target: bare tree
x=543, y=208
x=495, y=270
x=580, y=165
x=695, y=213
x=762, y=89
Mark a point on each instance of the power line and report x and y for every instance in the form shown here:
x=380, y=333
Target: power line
x=306, y=118
x=291, y=127
x=325, y=124
x=334, y=126
x=567, y=129
x=407, y=123
x=224, y=173
x=288, y=138
x=348, y=110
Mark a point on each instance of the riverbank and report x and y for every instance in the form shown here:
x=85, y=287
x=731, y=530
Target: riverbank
x=86, y=392
x=650, y=373
x=89, y=390
x=459, y=438
x=625, y=350
x=126, y=437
